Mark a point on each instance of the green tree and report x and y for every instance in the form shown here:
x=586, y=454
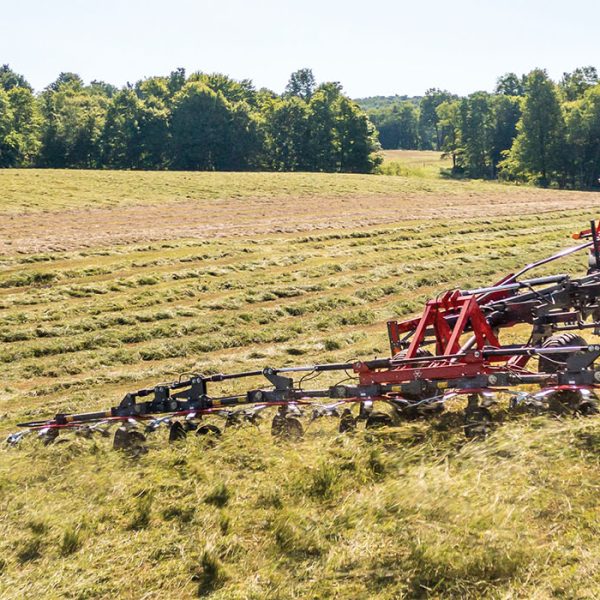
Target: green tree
x=232, y=90
x=156, y=88
x=574, y=85
x=9, y=79
x=66, y=80
x=176, y=80
x=537, y=152
x=357, y=138
x=198, y=121
x=19, y=120
x=73, y=121
x=510, y=84
x=152, y=115
x=429, y=131
x=583, y=138
x=153, y=123
x=9, y=147
x=506, y=112
x=102, y=88
x=323, y=144
x=476, y=135
x=26, y=121
x=478, y=130
x=397, y=125
x=209, y=132
x=450, y=121
x=302, y=83
x=121, y=139
x=285, y=130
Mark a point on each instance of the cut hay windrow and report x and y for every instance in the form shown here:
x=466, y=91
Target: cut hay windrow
x=452, y=351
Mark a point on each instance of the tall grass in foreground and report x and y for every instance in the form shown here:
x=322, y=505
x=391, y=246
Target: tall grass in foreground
x=410, y=512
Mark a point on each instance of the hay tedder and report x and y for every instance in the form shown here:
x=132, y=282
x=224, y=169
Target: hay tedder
x=453, y=350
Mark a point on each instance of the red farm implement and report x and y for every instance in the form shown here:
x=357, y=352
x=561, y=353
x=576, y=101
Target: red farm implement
x=452, y=349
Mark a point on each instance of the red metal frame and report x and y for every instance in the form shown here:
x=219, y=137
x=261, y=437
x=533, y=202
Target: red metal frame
x=468, y=318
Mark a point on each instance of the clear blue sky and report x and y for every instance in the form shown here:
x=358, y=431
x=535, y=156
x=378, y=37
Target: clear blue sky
x=372, y=48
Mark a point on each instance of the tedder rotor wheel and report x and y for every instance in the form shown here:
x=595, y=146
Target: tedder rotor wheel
x=126, y=439
x=50, y=437
x=288, y=428
x=177, y=432
x=556, y=362
x=278, y=425
x=571, y=402
x=347, y=421
x=208, y=430
x=379, y=419
x=478, y=421
x=293, y=429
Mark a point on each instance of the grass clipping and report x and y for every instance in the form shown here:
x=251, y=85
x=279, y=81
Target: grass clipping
x=408, y=512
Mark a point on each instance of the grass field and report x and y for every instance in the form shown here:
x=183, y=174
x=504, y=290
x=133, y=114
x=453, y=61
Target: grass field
x=414, y=163
x=113, y=281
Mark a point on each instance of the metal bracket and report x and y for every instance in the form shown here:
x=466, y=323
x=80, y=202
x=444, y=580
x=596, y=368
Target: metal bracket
x=280, y=382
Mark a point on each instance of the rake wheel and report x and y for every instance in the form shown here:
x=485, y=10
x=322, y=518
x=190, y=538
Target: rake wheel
x=347, y=422
x=379, y=419
x=208, y=430
x=477, y=422
x=177, y=432
x=127, y=439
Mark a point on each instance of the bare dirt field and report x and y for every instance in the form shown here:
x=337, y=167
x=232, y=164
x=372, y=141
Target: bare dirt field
x=80, y=224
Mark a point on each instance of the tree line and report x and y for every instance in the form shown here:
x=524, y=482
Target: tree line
x=530, y=129
x=196, y=122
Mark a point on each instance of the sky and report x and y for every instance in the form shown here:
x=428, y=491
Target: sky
x=378, y=48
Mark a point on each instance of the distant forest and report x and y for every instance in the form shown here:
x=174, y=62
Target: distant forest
x=530, y=129
x=196, y=122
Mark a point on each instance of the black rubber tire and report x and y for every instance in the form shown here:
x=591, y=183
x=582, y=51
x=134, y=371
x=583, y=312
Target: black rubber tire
x=557, y=361
x=421, y=353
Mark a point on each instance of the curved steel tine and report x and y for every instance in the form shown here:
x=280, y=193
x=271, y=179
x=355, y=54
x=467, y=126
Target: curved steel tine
x=15, y=438
x=294, y=409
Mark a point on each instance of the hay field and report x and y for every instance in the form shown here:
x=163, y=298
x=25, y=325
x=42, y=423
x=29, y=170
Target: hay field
x=113, y=281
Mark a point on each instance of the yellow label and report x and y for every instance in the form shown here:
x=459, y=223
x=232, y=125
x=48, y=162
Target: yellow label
x=442, y=385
